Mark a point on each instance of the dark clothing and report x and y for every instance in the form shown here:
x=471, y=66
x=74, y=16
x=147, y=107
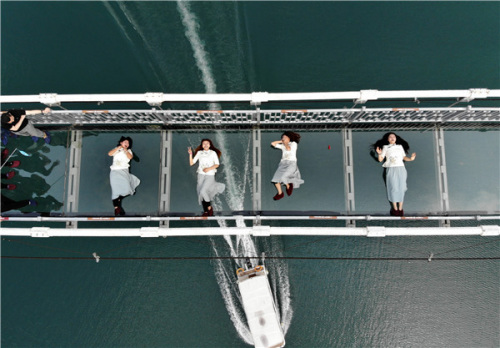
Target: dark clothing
x=17, y=113
x=9, y=204
x=205, y=205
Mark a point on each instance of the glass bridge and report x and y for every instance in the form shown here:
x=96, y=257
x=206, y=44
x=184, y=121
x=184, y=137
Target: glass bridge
x=453, y=186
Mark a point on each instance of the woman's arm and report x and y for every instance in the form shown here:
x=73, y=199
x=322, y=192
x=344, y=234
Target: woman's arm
x=274, y=143
x=412, y=158
x=190, y=152
x=114, y=151
x=129, y=154
x=215, y=166
x=18, y=124
x=36, y=112
x=380, y=155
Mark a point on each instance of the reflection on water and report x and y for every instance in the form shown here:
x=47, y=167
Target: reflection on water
x=40, y=174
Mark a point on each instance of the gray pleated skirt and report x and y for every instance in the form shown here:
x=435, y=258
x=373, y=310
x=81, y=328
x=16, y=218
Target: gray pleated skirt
x=396, y=183
x=122, y=183
x=288, y=173
x=207, y=188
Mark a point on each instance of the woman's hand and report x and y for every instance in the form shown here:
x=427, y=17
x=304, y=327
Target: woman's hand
x=379, y=150
x=412, y=158
x=190, y=151
x=208, y=169
x=116, y=150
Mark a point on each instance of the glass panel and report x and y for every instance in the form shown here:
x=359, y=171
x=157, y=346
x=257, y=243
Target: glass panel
x=472, y=160
x=40, y=174
x=422, y=195
x=235, y=171
x=95, y=190
x=320, y=168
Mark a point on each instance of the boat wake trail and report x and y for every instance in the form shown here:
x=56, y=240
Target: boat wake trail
x=200, y=54
x=237, y=179
x=278, y=276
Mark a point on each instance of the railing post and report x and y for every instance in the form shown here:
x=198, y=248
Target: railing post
x=73, y=183
x=165, y=174
x=348, y=174
x=442, y=173
x=257, y=178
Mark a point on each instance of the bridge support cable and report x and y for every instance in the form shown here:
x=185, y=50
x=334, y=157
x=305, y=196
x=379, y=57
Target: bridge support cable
x=257, y=173
x=73, y=179
x=348, y=174
x=442, y=174
x=165, y=174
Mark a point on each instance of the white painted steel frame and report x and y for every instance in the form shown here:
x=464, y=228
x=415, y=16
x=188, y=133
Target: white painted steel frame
x=73, y=178
x=254, y=98
x=221, y=118
x=257, y=173
x=165, y=173
x=251, y=217
x=257, y=231
x=442, y=173
x=348, y=161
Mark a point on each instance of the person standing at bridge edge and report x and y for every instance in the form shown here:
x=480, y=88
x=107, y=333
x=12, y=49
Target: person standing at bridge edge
x=394, y=149
x=15, y=121
x=122, y=182
x=208, y=156
x=288, y=173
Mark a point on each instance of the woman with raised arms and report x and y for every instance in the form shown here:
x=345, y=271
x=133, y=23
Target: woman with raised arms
x=122, y=182
x=394, y=150
x=208, y=156
x=288, y=173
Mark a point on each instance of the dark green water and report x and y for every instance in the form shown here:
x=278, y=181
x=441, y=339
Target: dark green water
x=136, y=47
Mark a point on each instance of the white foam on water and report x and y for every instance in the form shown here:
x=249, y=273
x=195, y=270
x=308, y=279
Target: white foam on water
x=190, y=23
x=135, y=25
x=236, y=181
x=117, y=20
x=230, y=295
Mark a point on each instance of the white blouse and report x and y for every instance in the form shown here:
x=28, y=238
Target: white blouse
x=207, y=159
x=394, y=155
x=120, y=160
x=288, y=155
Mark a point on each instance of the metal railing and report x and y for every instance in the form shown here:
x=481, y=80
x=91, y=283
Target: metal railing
x=254, y=98
x=331, y=118
x=354, y=117
x=436, y=118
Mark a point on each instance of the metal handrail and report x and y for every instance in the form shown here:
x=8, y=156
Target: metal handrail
x=254, y=98
x=247, y=217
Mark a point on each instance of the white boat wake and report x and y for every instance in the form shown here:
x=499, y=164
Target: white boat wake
x=236, y=180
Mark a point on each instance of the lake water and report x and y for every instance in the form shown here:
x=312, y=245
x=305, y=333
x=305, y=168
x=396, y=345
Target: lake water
x=332, y=292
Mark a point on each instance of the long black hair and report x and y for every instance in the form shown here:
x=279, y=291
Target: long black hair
x=292, y=135
x=383, y=141
x=122, y=139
